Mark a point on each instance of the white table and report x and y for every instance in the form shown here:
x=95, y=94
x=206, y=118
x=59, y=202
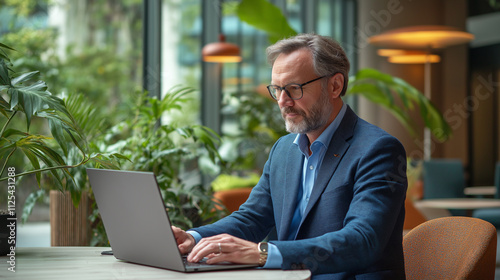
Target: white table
x=434, y=208
x=481, y=190
x=76, y=263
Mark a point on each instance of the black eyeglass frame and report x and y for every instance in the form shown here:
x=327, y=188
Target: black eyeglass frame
x=287, y=92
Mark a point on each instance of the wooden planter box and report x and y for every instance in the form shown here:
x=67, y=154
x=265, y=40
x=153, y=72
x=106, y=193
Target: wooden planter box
x=69, y=226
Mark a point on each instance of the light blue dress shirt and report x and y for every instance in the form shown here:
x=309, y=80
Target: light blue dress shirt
x=312, y=163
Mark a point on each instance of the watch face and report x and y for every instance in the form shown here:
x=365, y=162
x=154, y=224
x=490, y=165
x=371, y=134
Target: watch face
x=263, y=247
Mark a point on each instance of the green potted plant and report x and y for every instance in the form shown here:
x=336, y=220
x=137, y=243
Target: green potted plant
x=47, y=146
x=154, y=141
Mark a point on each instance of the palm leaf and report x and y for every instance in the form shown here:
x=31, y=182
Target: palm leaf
x=13, y=132
x=34, y=162
x=88, y=120
x=174, y=98
x=50, y=166
x=23, y=77
x=33, y=99
x=265, y=16
x=35, y=149
x=30, y=202
x=382, y=89
x=4, y=73
x=4, y=106
x=6, y=47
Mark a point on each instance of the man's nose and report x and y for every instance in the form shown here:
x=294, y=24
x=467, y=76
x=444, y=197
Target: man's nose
x=284, y=98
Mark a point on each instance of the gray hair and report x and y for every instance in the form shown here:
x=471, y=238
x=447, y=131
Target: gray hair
x=328, y=56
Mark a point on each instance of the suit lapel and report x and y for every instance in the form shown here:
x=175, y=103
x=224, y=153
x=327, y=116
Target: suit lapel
x=334, y=154
x=293, y=170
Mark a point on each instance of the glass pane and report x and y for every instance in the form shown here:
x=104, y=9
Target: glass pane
x=329, y=22
x=181, y=50
x=293, y=14
x=93, y=48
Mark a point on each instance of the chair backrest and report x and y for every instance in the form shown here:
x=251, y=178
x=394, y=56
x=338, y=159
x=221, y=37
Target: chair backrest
x=443, y=178
x=451, y=248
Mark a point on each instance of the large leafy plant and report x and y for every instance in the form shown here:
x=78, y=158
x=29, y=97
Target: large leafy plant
x=58, y=134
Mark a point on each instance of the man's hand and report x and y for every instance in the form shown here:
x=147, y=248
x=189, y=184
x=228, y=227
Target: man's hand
x=185, y=241
x=224, y=247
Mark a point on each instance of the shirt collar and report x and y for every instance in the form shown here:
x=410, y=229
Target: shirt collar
x=303, y=142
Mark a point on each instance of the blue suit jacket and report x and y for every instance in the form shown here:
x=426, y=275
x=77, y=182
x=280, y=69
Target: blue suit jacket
x=352, y=226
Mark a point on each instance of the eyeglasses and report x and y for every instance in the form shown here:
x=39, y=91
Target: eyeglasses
x=294, y=91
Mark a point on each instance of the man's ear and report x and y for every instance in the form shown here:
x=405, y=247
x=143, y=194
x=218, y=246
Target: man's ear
x=336, y=84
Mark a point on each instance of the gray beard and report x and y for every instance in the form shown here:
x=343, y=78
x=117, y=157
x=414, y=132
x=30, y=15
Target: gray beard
x=319, y=115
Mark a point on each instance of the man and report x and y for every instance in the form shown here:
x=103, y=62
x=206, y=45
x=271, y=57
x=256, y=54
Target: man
x=334, y=188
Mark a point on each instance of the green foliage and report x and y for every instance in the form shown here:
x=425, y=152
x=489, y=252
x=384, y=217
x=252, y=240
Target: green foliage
x=24, y=7
x=31, y=45
x=225, y=182
x=247, y=147
x=267, y=17
x=20, y=95
x=104, y=79
x=172, y=152
x=31, y=200
x=399, y=98
x=93, y=122
x=55, y=154
x=99, y=235
x=100, y=62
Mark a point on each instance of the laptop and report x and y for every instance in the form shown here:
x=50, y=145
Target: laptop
x=137, y=223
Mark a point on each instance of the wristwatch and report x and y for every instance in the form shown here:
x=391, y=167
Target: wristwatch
x=263, y=253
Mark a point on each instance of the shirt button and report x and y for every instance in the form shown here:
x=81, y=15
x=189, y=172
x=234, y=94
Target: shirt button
x=311, y=167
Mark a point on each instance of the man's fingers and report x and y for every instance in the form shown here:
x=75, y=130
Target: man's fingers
x=185, y=241
x=203, y=249
x=217, y=258
x=224, y=248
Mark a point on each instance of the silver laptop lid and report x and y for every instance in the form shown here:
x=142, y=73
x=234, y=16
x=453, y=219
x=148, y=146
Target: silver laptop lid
x=137, y=223
x=135, y=218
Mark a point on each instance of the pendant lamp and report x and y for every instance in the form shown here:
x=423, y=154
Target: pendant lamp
x=408, y=57
x=421, y=37
x=221, y=52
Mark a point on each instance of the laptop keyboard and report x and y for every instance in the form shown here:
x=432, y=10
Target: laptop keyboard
x=203, y=262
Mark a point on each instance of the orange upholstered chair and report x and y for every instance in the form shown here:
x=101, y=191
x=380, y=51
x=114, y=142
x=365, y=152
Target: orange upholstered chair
x=451, y=248
x=232, y=199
